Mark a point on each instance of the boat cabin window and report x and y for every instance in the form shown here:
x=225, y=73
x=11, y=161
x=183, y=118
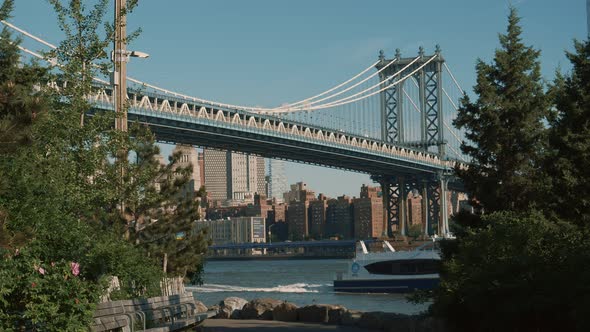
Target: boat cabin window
x=404, y=267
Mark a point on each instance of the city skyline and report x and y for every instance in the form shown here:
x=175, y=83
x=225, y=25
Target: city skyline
x=278, y=53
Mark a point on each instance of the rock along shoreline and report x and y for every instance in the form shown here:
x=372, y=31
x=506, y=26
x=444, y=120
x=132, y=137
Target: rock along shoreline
x=277, y=310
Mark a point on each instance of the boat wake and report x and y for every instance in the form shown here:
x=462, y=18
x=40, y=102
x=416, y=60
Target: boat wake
x=293, y=288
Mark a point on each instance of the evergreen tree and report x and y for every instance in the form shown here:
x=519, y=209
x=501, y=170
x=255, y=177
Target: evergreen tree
x=123, y=194
x=568, y=163
x=504, y=127
x=20, y=102
x=162, y=208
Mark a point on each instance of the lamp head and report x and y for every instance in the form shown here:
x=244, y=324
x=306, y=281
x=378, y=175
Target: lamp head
x=138, y=54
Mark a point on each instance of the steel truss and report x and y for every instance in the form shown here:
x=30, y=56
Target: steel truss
x=429, y=80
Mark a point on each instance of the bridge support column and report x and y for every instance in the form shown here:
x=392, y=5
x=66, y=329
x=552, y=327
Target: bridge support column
x=426, y=221
x=444, y=213
x=392, y=124
x=395, y=204
x=434, y=205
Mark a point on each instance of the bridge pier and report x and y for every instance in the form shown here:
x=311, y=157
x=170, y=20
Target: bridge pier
x=427, y=73
x=395, y=190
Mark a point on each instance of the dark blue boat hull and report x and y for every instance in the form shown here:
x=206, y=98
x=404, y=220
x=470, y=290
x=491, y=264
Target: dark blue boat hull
x=384, y=285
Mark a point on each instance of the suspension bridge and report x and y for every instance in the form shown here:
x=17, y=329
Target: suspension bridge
x=392, y=121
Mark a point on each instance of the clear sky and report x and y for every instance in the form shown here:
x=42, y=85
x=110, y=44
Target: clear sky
x=268, y=52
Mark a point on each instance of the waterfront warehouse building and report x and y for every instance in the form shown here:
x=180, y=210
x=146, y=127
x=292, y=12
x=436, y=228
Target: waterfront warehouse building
x=234, y=230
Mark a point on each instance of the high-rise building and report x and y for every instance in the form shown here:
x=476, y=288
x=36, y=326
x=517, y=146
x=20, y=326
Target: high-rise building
x=368, y=214
x=278, y=180
x=368, y=218
x=189, y=157
x=216, y=174
x=260, y=176
x=297, y=220
x=233, y=177
x=339, y=218
x=201, y=167
x=370, y=192
x=243, y=176
x=317, y=217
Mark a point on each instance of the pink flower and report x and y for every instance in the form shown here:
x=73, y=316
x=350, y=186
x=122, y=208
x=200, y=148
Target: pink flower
x=52, y=264
x=16, y=252
x=41, y=270
x=33, y=284
x=75, y=268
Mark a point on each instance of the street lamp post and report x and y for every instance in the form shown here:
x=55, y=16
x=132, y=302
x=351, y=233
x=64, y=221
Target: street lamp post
x=120, y=61
x=120, y=56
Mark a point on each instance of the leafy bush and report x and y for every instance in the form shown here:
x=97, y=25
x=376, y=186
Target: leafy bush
x=49, y=296
x=521, y=272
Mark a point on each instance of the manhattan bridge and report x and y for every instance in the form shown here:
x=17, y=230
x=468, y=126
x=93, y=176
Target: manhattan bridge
x=392, y=120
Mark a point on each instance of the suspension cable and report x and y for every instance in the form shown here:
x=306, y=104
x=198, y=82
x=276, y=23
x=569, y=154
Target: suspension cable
x=333, y=104
x=332, y=89
x=444, y=122
x=28, y=34
x=453, y=77
x=54, y=63
x=342, y=100
x=373, y=86
x=450, y=99
x=349, y=88
x=457, y=153
x=175, y=94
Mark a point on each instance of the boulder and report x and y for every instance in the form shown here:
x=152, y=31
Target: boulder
x=351, y=318
x=231, y=307
x=200, y=306
x=317, y=313
x=259, y=309
x=214, y=308
x=335, y=313
x=286, y=312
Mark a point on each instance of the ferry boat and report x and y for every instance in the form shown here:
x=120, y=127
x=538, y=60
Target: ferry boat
x=391, y=271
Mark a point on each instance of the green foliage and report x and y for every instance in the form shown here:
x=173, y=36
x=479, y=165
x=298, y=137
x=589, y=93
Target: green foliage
x=568, y=162
x=43, y=295
x=521, y=272
x=513, y=269
x=162, y=212
x=504, y=125
x=20, y=103
x=414, y=231
x=60, y=194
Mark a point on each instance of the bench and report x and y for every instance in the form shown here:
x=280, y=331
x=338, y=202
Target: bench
x=162, y=313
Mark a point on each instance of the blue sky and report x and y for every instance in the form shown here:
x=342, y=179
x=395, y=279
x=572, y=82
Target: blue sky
x=267, y=52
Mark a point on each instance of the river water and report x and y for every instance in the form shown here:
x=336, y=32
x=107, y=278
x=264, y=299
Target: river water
x=302, y=282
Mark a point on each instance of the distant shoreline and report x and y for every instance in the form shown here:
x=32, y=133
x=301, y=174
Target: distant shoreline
x=275, y=257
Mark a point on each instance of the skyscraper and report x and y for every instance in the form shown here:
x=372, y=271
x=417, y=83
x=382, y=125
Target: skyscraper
x=231, y=176
x=189, y=156
x=278, y=181
x=216, y=170
x=260, y=176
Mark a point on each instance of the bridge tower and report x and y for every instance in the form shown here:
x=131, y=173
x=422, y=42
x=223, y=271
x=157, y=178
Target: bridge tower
x=433, y=188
